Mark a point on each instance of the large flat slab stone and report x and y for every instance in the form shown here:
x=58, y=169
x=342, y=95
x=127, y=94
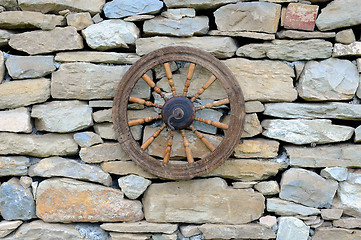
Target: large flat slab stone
x=197, y=4
x=6, y=227
x=102, y=153
x=97, y=57
x=286, y=208
x=244, y=231
x=140, y=227
x=336, y=233
x=121, y=9
x=124, y=168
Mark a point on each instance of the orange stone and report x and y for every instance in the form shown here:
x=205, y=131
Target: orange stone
x=300, y=16
x=68, y=200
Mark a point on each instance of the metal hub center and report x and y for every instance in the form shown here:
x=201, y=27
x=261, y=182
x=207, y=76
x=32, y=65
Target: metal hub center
x=178, y=113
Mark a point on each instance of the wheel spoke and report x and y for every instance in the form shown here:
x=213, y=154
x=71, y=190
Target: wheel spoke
x=189, y=77
x=203, y=139
x=214, y=104
x=139, y=121
x=144, y=102
x=169, y=74
x=213, y=123
x=186, y=146
x=153, y=137
x=151, y=84
x=168, y=150
x=204, y=87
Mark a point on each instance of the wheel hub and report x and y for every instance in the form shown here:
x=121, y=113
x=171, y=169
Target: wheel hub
x=178, y=113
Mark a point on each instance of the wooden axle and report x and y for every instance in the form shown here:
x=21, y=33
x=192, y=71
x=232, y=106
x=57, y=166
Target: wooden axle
x=213, y=123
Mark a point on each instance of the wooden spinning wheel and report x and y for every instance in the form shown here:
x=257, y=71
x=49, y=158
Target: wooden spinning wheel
x=171, y=150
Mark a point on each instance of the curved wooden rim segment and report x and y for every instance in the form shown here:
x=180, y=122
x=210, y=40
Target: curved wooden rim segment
x=179, y=170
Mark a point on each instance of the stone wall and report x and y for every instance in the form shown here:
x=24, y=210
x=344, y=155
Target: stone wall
x=294, y=175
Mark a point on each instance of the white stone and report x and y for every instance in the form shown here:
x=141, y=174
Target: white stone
x=358, y=134
x=349, y=193
x=268, y=221
x=286, y=208
x=26, y=181
x=267, y=188
x=359, y=64
x=350, y=50
x=6, y=227
x=110, y=34
x=87, y=139
x=292, y=228
x=2, y=66
x=179, y=13
x=16, y=120
x=133, y=186
x=335, y=173
x=125, y=8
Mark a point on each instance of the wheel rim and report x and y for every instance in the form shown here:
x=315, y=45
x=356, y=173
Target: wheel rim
x=177, y=115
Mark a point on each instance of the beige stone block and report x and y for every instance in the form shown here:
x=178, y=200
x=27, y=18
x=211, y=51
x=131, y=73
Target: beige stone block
x=256, y=148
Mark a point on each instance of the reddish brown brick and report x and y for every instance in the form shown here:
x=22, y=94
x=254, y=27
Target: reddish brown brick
x=300, y=16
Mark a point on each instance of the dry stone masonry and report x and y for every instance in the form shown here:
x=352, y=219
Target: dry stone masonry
x=295, y=174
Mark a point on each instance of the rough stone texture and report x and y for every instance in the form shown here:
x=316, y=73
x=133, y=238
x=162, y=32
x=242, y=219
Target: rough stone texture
x=123, y=168
x=101, y=103
x=254, y=35
x=335, y=173
x=44, y=6
x=325, y=156
x=14, y=165
x=248, y=16
x=179, y=13
x=265, y=81
x=133, y=186
x=348, y=222
x=349, y=193
x=252, y=125
x=16, y=120
x=254, y=107
x=197, y=4
x=62, y=167
x=86, y=81
x=24, y=93
x=286, y=208
x=41, y=230
x=10, y=5
x=67, y=200
x=341, y=50
x=302, y=131
x=21, y=67
x=300, y=16
x=103, y=152
x=138, y=18
x=39, y=42
x=105, y=131
x=125, y=8
x=16, y=202
x=334, y=110
x=289, y=50
x=339, y=13
x=37, y=145
x=2, y=65
x=189, y=230
x=358, y=134
x=336, y=233
x=4, y=38
x=243, y=185
x=358, y=61
x=221, y=47
x=331, y=79
x=62, y=116
x=292, y=228
x=6, y=227
x=127, y=236
x=97, y=57
x=268, y=221
x=257, y=148
x=201, y=201
x=87, y=139
x=110, y=34
x=331, y=214
x=79, y=20
x=140, y=227
x=103, y=116
x=267, y=188
x=29, y=20
x=210, y=114
x=246, y=170
x=308, y=188
x=249, y=231
x=185, y=27
x=345, y=36
x=293, y=34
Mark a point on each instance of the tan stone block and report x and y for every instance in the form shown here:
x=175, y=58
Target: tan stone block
x=102, y=153
x=125, y=168
x=17, y=120
x=79, y=20
x=257, y=148
x=140, y=227
x=336, y=233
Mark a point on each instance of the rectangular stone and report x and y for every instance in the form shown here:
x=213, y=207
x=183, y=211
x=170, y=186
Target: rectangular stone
x=102, y=153
x=244, y=34
x=140, y=227
x=123, y=168
x=257, y=148
x=249, y=231
x=22, y=67
x=17, y=120
x=14, y=165
x=300, y=16
x=358, y=61
x=294, y=34
x=97, y=57
x=350, y=50
x=343, y=155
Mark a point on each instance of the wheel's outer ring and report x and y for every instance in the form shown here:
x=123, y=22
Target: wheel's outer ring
x=186, y=170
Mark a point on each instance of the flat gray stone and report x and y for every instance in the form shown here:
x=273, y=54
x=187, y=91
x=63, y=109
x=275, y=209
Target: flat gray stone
x=21, y=67
x=292, y=228
x=286, y=208
x=125, y=8
x=179, y=13
x=140, y=227
x=37, y=145
x=102, y=153
x=248, y=16
x=14, y=165
x=16, y=120
x=331, y=79
x=350, y=50
x=6, y=227
x=39, y=42
x=2, y=66
x=349, y=193
x=189, y=230
x=342, y=155
x=100, y=103
x=97, y=57
x=221, y=47
x=62, y=116
x=110, y=34
x=133, y=186
x=302, y=131
x=139, y=18
x=185, y=27
x=336, y=233
x=10, y=5
x=358, y=134
x=124, y=168
x=16, y=94
x=103, y=116
x=5, y=37
x=62, y=167
x=16, y=202
x=44, y=6
x=335, y=173
x=254, y=107
x=252, y=126
x=331, y=214
x=308, y=188
x=345, y=36
x=105, y=131
x=86, y=81
x=330, y=110
x=87, y=139
x=347, y=222
x=338, y=14
x=294, y=34
x=197, y=4
x=244, y=34
x=210, y=114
